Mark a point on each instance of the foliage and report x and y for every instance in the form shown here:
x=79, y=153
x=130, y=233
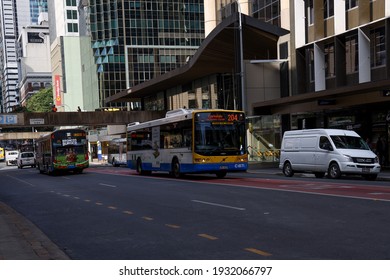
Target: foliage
x=41, y=101
x=19, y=109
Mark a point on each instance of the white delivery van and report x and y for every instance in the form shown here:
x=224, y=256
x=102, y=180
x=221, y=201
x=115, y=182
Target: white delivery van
x=11, y=157
x=331, y=151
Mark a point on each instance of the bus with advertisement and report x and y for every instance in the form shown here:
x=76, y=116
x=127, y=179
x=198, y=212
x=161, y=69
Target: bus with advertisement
x=62, y=150
x=189, y=141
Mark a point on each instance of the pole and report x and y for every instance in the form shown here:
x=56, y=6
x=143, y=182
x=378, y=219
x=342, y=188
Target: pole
x=243, y=96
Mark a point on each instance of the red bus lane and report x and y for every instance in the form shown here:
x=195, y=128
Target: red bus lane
x=320, y=187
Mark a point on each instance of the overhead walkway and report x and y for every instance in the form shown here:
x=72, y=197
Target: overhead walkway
x=58, y=119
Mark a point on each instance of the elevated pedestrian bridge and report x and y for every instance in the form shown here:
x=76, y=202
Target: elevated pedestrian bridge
x=58, y=119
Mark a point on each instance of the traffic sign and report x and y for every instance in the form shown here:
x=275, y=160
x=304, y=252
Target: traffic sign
x=8, y=119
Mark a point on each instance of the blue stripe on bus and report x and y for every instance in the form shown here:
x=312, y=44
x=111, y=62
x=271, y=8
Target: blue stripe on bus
x=193, y=168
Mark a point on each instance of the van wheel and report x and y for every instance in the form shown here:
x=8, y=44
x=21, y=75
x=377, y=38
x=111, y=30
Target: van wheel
x=287, y=170
x=319, y=174
x=334, y=171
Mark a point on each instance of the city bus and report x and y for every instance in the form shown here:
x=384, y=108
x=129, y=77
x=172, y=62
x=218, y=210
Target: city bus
x=117, y=152
x=62, y=150
x=2, y=156
x=189, y=141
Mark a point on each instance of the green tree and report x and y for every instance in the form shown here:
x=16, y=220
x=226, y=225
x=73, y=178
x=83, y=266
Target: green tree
x=40, y=101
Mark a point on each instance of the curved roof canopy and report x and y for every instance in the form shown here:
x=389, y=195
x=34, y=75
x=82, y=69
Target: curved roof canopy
x=215, y=55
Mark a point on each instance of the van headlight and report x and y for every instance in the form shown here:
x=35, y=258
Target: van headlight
x=348, y=158
x=376, y=160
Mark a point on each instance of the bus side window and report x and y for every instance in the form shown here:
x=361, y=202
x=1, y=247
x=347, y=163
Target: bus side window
x=187, y=137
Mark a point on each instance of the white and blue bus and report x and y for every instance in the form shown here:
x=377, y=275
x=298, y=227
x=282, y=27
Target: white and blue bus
x=189, y=141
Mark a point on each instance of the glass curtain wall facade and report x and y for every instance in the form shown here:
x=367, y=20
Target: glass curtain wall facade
x=135, y=41
x=266, y=10
x=36, y=7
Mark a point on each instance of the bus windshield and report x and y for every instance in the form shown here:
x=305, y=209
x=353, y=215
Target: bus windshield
x=219, y=134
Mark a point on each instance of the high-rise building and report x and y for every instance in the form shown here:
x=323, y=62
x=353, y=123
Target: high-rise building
x=73, y=66
x=34, y=61
x=135, y=41
x=14, y=15
x=9, y=69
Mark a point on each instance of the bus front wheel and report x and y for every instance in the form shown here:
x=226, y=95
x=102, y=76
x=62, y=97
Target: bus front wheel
x=221, y=174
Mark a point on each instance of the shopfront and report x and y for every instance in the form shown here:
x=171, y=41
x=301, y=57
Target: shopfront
x=264, y=138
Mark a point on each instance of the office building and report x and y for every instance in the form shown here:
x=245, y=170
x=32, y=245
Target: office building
x=33, y=60
x=73, y=69
x=14, y=15
x=136, y=41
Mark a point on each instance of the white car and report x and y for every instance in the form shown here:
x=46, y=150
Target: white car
x=26, y=159
x=11, y=157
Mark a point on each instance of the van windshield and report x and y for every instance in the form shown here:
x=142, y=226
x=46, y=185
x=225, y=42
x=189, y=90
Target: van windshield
x=349, y=142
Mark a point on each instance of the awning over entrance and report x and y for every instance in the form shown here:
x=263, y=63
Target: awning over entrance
x=215, y=55
x=332, y=99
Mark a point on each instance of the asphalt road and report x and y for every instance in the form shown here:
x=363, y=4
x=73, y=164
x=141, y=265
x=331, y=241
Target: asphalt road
x=111, y=213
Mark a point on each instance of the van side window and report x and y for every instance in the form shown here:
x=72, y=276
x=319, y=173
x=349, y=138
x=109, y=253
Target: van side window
x=325, y=143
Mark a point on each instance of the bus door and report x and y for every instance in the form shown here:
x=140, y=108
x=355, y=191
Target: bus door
x=156, y=158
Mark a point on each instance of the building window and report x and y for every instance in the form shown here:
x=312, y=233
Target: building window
x=71, y=3
x=267, y=11
x=71, y=14
x=310, y=12
x=349, y=4
x=73, y=27
x=310, y=56
x=329, y=60
x=328, y=9
x=378, y=47
x=352, y=54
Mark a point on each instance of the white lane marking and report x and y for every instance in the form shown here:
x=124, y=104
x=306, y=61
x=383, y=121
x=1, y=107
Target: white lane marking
x=20, y=180
x=107, y=185
x=219, y=205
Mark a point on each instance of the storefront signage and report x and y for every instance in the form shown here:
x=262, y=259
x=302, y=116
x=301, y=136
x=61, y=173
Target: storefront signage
x=322, y=102
x=57, y=87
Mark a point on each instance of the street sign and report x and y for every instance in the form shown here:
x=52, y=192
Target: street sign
x=8, y=119
x=37, y=121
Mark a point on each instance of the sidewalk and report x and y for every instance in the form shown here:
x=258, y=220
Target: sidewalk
x=22, y=240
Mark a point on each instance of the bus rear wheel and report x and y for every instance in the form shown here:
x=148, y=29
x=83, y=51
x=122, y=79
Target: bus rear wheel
x=139, y=166
x=176, y=168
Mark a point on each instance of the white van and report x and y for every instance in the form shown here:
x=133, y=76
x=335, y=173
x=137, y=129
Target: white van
x=11, y=157
x=331, y=151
